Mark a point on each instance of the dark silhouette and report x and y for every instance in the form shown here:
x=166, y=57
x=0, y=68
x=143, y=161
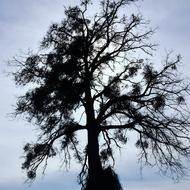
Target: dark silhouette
x=90, y=65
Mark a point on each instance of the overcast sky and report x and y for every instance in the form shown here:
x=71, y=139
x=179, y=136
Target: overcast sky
x=23, y=23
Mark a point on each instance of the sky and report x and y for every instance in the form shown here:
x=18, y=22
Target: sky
x=23, y=23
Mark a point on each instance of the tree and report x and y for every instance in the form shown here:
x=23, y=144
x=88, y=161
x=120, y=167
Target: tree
x=90, y=65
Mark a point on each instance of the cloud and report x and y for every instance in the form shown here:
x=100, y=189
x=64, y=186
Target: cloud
x=56, y=180
x=22, y=25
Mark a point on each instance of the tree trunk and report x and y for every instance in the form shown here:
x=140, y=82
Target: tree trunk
x=99, y=178
x=94, y=163
x=95, y=171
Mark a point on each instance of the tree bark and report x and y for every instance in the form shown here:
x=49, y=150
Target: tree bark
x=95, y=170
x=99, y=178
x=95, y=167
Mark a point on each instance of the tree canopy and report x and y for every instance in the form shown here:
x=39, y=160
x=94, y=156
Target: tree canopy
x=99, y=66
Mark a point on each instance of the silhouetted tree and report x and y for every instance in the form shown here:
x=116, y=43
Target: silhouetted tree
x=92, y=65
